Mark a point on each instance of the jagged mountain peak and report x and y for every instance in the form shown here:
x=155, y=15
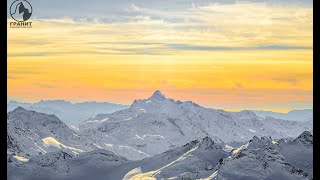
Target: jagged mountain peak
x=159, y=99
x=306, y=138
x=158, y=95
x=206, y=143
x=256, y=142
x=192, y=143
x=305, y=134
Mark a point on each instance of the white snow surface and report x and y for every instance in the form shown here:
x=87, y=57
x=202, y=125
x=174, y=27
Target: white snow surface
x=262, y=159
x=196, y=156
x=168, y=139
x=175, y=123
x=204, y=159
x=31, y=133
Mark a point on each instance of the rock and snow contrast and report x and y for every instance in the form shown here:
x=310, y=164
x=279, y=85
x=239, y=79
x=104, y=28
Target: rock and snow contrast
x=266, y=159
x=154, y=125
x=70, y=113
x=260, y=158
x=159, y=138
x=193, y=160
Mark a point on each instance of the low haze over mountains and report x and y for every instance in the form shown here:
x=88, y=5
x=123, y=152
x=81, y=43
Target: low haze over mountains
x=294, y=115
x=69, y=113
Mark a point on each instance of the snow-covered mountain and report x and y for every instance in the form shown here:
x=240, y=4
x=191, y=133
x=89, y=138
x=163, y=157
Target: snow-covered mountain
x=193, y=160
x=31, y=133
x=264, y=158
x=299, y=152
x=158, y=138
x=157, y=124
x=294, y=115
x=96, y=164
x=260, y=158
x=69, y=113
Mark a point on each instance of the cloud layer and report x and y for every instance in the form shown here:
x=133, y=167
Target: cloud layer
x=220, y=54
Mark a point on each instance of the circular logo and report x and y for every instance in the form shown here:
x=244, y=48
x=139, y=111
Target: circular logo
x=21, y=10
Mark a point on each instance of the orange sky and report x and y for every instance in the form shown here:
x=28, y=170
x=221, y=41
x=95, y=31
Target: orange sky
x=254, y=63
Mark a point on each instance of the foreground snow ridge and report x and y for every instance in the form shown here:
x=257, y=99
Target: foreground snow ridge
x=151, y=175
x=50, y=141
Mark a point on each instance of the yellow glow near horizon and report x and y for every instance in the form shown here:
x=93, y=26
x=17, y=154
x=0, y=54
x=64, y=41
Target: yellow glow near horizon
x=249, y=61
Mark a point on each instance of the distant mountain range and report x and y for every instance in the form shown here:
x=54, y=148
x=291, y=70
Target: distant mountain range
x=70, y=113
x=77, y=113
x=294, y=115
x=158, y=138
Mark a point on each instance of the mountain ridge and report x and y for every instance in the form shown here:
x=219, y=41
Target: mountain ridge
x=70, y=113
x=261, y=158
x=158, y=123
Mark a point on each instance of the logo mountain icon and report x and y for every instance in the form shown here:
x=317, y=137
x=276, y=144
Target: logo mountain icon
x=20, y=11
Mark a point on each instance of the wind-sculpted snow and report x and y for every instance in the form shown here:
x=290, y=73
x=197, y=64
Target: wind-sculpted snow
x=166, y=123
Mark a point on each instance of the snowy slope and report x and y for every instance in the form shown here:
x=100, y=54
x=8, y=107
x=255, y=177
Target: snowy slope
x=266, y=159
x=69, y=113
x=159, y=138
x=195, y=159
x=260, y=158
x=154, y=125
x=32, y=133
x=60, y=165
x=299, y=152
